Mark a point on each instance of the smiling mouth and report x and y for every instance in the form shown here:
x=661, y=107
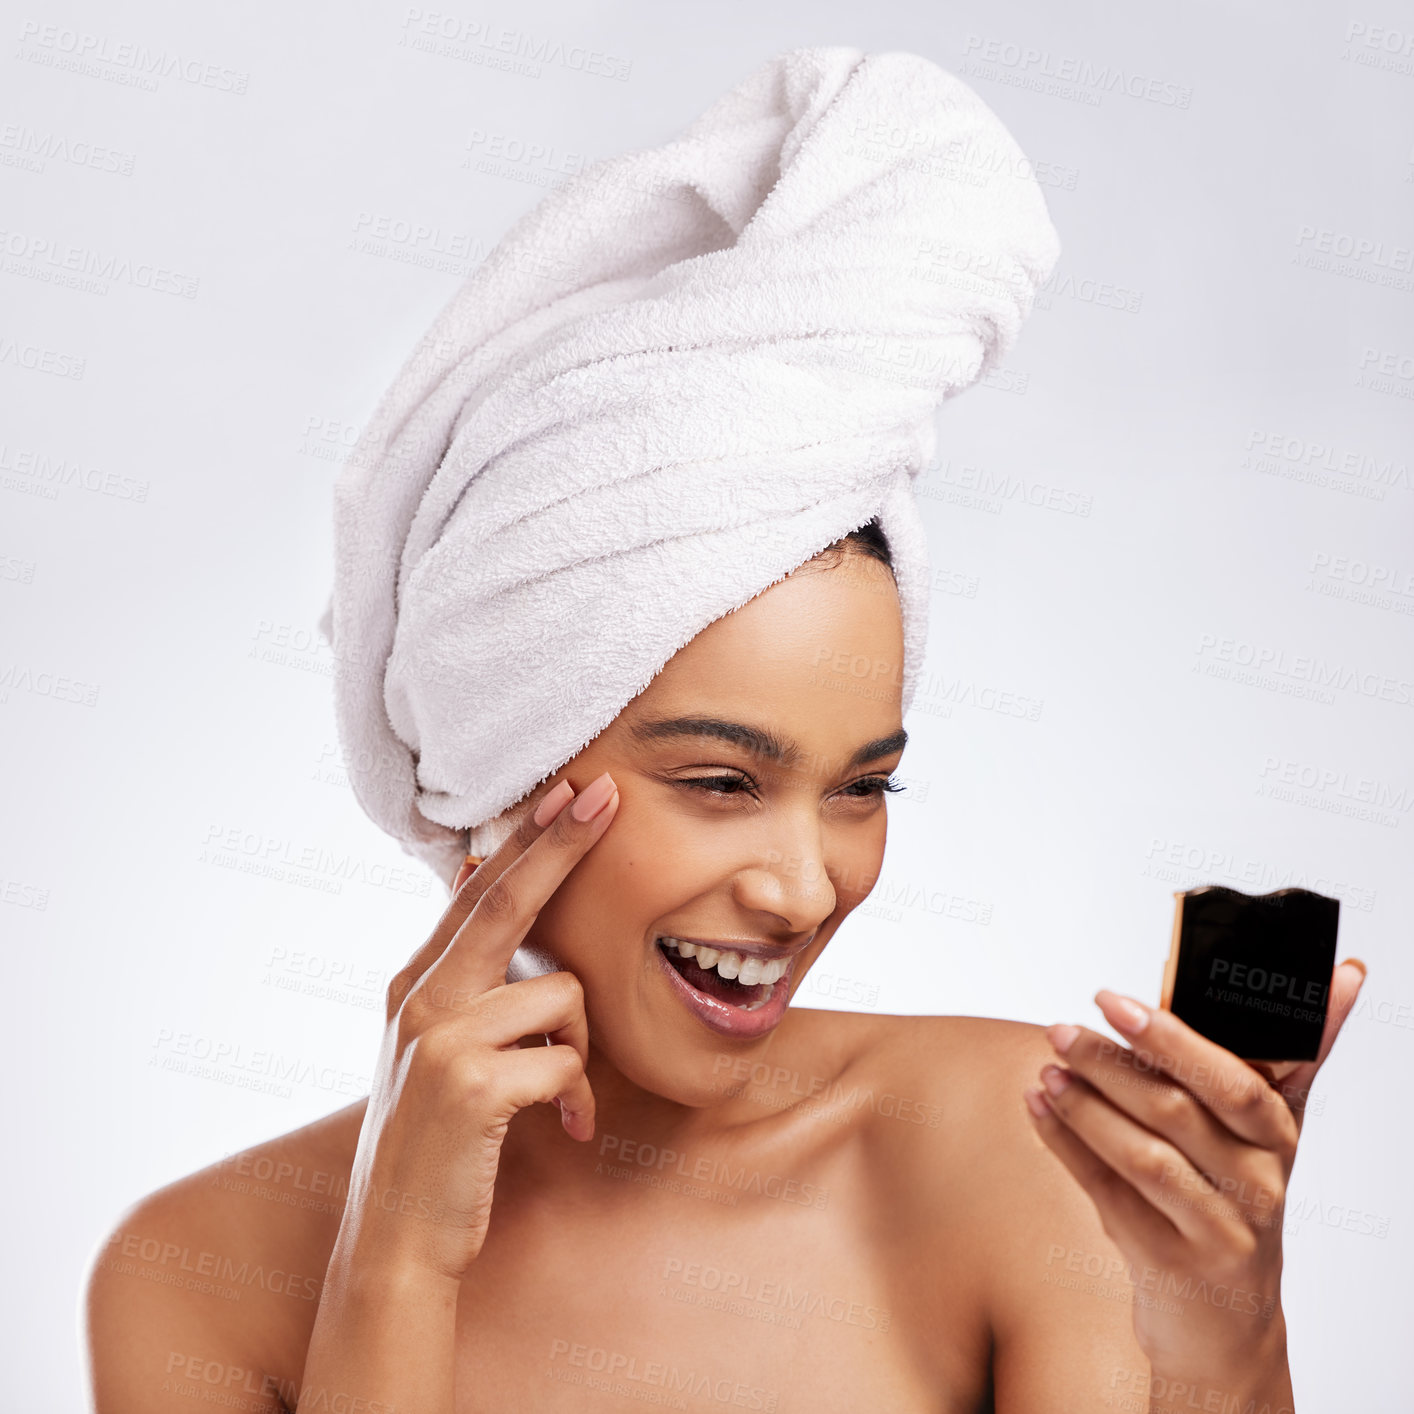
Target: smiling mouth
x=722, y=977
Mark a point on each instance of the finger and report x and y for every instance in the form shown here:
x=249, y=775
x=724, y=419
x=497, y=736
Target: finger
x=467, y=869
x=541, y=807
x=550, y=1005
x=549, y=1074
x=1125, y=1214
x=477, y=957
x=469, y=890
x=1295, y=1084
x=1168, y=1109
x=1236, y=1094
x=1146, y=1161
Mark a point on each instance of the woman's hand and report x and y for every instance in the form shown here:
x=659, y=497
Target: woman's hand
x=1185, y=1150
x=451, y=1073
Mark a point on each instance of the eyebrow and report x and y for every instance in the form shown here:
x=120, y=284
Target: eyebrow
x=758, y=740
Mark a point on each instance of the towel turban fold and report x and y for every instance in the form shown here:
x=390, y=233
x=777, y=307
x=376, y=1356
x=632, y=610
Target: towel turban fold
x=679, y=377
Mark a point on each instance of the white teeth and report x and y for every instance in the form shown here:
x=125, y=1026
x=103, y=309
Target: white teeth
x=749, y=971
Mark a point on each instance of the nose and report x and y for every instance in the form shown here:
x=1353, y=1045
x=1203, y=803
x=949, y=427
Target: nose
x=790, y=881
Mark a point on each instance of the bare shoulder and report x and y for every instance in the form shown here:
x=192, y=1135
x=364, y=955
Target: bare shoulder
x=958, y=1080
x=214, y=1280
x=980, y=1187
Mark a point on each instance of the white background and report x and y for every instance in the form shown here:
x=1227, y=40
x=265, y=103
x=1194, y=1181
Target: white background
x=1199, y=392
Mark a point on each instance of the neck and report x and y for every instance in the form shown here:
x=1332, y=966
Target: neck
x=752, y=1097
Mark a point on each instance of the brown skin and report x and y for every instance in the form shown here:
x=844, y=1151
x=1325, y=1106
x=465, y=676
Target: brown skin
x=884, y=1169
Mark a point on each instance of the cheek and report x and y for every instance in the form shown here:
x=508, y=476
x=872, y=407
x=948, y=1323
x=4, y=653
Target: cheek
x=612, y=894
x=854, y=863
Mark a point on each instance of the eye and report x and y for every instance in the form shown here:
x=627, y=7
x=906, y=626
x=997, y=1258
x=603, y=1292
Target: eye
x=861, y=789
x=873, y=785
x=719, y=785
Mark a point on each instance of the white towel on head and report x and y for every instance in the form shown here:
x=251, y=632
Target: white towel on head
x=681, y=375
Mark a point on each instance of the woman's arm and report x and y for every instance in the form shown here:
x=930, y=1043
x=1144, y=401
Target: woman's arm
x=1067, y=1300
x=1059, y=1304
x=1185, y=1151
x=451, y=1075
x=1062, y=1301
x=384, y=1339
x=151, y=1344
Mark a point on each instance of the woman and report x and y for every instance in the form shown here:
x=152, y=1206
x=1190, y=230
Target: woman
x=737, y=1204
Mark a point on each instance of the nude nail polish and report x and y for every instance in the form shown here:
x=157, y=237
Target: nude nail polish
x=594, y=798
x=554, y=802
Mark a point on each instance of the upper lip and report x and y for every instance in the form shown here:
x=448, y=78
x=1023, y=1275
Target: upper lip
x=748, y=947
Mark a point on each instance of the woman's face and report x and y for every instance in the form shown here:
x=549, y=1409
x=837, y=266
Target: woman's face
x=720, y=839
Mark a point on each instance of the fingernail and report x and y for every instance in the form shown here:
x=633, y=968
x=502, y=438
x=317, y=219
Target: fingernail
x=1124, y=1013
x=1062, y=1037
x=1355, y=962
x=1054, y=1078
x=554, y=802
x=1035, y=1102
x=594, y=798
